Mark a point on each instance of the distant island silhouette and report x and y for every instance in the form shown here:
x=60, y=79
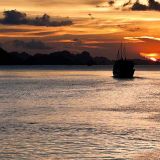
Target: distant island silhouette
x=59, y=58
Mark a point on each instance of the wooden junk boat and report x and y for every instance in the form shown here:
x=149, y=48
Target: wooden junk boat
x=122, y=67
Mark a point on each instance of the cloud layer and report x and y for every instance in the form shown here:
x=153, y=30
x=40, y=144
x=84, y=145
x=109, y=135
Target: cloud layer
x=152, y=5
x=14, y=17
x=32, y=44
x=135, y=6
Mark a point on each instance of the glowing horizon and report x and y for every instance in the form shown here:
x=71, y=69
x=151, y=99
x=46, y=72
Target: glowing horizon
x=97, y=27
x=152, y=56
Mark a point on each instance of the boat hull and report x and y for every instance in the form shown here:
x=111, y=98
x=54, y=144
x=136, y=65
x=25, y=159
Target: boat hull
x=122, y=74
x=123, y=69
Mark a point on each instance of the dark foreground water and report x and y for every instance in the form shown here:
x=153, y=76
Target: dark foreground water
x=74, y=113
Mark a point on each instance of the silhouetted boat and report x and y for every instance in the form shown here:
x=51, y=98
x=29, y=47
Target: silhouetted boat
x=123, y=68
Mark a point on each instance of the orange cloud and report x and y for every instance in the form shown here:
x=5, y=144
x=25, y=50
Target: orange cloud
x=142, y=38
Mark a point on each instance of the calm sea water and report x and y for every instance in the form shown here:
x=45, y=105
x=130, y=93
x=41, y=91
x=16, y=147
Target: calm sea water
x=74, y=113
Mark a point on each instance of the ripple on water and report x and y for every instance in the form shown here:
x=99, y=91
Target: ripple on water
x=77, y=115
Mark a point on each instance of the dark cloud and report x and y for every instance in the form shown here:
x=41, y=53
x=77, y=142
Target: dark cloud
x=14, y=17
x=127, y=3
x=111, y=2
x=152, y=5
x=91, y=16
x=136, y=6
x=139, y=7
x=33, y=44
x=130, y=28
x=47, y=33
x=11, y=30
x=77, y=41
x=45, y=20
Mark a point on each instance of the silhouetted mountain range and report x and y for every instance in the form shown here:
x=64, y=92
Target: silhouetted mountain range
x=58, y=58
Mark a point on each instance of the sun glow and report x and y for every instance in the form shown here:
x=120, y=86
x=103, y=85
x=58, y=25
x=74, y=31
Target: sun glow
x=152, y=56
x=153, y=59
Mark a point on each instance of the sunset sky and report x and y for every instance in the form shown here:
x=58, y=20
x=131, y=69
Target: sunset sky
x=97, y=26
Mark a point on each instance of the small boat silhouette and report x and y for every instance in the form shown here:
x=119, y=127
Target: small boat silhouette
x=122, y=67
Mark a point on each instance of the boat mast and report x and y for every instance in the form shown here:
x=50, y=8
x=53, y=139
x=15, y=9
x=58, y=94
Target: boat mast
x=118, y=55
x=124, y=52
x=121, y=50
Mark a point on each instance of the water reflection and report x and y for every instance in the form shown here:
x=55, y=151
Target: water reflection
x=77, y=115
